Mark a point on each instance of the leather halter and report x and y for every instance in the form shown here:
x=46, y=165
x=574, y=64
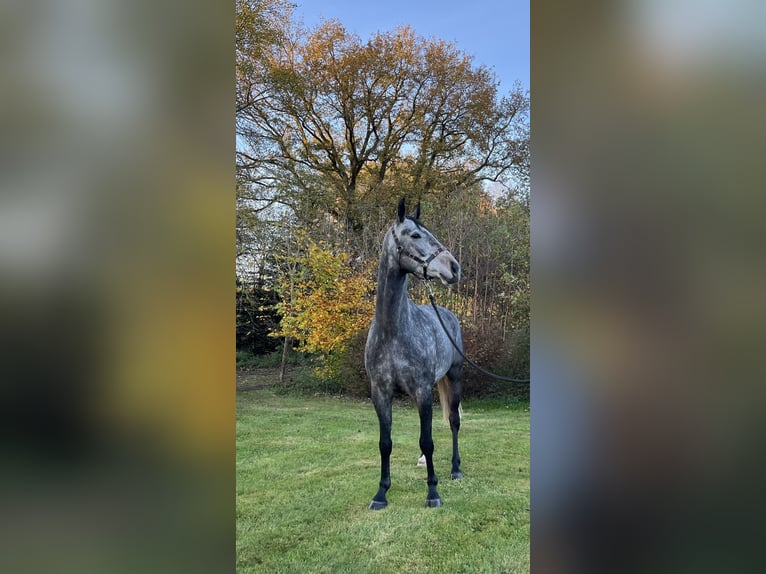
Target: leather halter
x=424, y=262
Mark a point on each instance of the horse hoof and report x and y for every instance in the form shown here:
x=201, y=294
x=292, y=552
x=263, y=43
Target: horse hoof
x=433, y=502
x=456, y=475
x=376, y=505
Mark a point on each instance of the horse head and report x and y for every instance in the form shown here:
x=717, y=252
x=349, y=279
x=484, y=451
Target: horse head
x=419, y=252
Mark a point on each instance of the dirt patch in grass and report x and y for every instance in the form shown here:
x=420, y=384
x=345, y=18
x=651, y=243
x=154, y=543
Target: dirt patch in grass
x=251, y=379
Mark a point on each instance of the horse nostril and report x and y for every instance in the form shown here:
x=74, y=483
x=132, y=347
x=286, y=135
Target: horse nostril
x=455, y=268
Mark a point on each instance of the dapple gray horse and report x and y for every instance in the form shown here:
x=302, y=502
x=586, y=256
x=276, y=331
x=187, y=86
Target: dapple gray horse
x=407, y=346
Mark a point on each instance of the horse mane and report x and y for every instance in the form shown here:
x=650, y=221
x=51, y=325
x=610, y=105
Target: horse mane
x=417, y=222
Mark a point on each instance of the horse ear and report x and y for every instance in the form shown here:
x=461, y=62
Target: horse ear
x=401, y=210
x=417, y=211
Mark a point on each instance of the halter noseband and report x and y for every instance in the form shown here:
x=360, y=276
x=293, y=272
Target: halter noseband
x=424, y=262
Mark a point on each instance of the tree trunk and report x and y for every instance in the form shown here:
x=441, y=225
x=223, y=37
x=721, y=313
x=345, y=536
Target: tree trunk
x=283, y=364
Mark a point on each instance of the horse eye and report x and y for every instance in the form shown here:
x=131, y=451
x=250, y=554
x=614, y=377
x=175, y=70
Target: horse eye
x=415, y=235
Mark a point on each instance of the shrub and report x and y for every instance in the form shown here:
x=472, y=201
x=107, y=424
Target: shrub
x=329, y=300
x=305, y=381
x=273, y=360
x=485, y=347
x=515, y=362
x=246, y=360
x=349, y=366
x=508, y=358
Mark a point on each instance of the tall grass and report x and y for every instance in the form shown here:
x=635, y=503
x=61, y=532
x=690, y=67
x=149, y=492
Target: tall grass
x=308, y=467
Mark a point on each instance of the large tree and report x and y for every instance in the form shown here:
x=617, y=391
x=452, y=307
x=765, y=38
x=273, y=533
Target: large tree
x=339, y=125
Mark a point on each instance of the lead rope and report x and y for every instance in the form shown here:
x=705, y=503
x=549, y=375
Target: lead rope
x=469, y=361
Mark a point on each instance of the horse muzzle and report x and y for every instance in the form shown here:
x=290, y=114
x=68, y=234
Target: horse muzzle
x=446, y=268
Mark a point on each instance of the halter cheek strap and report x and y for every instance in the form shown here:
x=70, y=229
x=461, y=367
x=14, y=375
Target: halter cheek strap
x=406, y=253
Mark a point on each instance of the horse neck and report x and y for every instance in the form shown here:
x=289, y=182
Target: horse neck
x=392, y=303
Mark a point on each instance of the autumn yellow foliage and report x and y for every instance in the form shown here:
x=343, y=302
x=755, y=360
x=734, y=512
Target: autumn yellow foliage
x=325, y=301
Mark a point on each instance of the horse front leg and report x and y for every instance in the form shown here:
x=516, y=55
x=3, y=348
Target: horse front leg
x=425, y=409
x=383, y=410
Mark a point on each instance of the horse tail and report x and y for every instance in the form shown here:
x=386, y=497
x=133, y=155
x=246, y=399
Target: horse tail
x=445, y=396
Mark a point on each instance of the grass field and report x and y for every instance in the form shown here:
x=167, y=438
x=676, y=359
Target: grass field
x=308, y=467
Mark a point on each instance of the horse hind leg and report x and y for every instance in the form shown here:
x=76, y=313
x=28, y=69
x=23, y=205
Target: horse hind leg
x=455, y=411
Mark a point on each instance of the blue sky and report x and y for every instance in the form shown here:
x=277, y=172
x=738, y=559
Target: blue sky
x=495, y=32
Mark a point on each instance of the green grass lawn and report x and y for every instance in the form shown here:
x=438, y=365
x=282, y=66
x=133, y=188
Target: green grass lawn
x=308, y=467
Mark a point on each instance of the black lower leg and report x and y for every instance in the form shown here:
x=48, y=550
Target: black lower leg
x=427, y=447
x=384, y=418
x=379, y=500
x=454, y=423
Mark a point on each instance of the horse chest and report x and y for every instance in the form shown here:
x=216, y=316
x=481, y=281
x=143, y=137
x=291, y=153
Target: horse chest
x=395, y=351
x=396, y=357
